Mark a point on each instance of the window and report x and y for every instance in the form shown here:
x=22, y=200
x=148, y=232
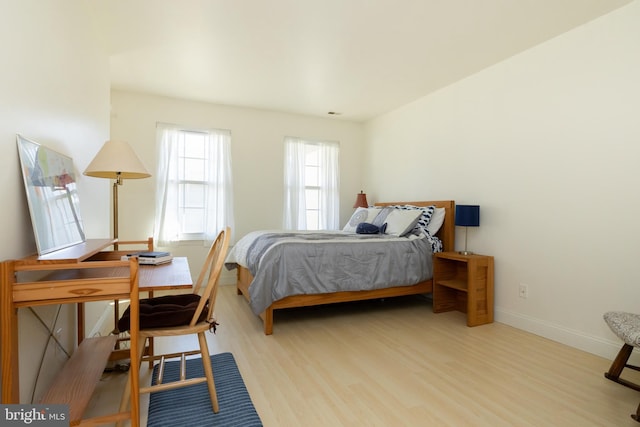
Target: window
x=194, y=190
x=311, y=185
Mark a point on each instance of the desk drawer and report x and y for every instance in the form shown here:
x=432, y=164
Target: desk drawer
x=80, y=291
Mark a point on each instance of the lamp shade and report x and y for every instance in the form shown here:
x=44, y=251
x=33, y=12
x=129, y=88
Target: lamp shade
x=361, y=201
x=468, y=215
x=116, y=160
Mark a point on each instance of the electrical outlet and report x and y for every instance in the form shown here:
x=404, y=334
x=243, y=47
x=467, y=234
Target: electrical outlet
x=523, y=291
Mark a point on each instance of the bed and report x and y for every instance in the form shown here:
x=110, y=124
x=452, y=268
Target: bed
x=396, y=287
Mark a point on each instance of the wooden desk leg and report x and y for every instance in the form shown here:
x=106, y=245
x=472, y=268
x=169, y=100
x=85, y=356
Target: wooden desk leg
x=116, y=317
x=9, y=337
x=150, y=340
x=80, y=319
x=136, y=347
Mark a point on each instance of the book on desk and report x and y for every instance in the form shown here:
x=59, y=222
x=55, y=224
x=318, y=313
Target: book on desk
x=150, y=258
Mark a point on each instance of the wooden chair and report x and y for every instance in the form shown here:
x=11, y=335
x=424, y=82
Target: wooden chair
x=206, y=287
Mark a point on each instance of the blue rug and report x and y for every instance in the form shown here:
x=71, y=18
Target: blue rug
x=191, y=406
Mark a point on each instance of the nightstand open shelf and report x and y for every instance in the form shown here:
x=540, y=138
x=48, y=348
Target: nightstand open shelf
x=458, y=284
x=464, y=283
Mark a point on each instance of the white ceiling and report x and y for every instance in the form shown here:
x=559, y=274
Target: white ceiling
x=360, y=58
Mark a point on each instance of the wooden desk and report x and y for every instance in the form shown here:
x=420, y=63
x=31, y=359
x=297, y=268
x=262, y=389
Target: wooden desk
x=84, y=276
x=164, y=277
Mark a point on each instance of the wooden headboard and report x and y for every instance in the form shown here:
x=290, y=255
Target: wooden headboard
x=447, y=232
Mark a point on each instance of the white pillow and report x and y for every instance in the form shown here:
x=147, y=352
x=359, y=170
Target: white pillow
x=361, y=215
x=424, y=219
x=436, y=221
x=400, y=221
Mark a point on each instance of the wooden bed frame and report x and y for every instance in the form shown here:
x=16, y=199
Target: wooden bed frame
x=446, y=234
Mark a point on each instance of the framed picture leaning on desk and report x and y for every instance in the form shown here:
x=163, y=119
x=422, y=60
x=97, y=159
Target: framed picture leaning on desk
x=50, y=184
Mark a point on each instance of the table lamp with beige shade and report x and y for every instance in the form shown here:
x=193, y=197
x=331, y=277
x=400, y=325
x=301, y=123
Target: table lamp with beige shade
x=116, y=160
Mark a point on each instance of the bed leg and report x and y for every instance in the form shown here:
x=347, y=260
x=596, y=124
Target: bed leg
x=268, y=321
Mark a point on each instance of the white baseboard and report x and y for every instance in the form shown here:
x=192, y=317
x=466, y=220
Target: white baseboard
x=577, y=339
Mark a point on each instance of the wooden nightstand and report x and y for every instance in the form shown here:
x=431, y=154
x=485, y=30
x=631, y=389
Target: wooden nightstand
x=464, y=283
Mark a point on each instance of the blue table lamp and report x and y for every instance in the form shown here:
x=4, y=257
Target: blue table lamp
x=467, y=216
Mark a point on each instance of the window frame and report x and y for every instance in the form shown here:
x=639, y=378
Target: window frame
x=172, y=191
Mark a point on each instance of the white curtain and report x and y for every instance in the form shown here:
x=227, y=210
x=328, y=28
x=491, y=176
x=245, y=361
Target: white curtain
x=219, y=195
x=295, y=216
x=294, y=177
x=219, y=206
x=329, y=187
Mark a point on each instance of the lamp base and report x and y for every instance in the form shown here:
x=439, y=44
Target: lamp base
x=465, y=252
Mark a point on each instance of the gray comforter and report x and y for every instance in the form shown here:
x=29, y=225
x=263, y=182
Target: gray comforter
x=286, y=263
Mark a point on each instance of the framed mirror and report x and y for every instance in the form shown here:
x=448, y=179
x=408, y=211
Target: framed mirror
x=52, y=195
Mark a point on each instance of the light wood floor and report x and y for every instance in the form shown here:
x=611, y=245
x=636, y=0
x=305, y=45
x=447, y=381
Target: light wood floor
x=395, y=363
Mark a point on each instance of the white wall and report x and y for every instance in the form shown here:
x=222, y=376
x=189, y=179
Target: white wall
x=547, y=143
x=54, y=83
x=257, y=160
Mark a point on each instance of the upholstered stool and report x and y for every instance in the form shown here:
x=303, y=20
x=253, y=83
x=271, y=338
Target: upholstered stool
x=627, y=327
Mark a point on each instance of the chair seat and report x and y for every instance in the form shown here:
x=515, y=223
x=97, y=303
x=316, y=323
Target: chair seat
x=165, y=311
x=625, y=325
